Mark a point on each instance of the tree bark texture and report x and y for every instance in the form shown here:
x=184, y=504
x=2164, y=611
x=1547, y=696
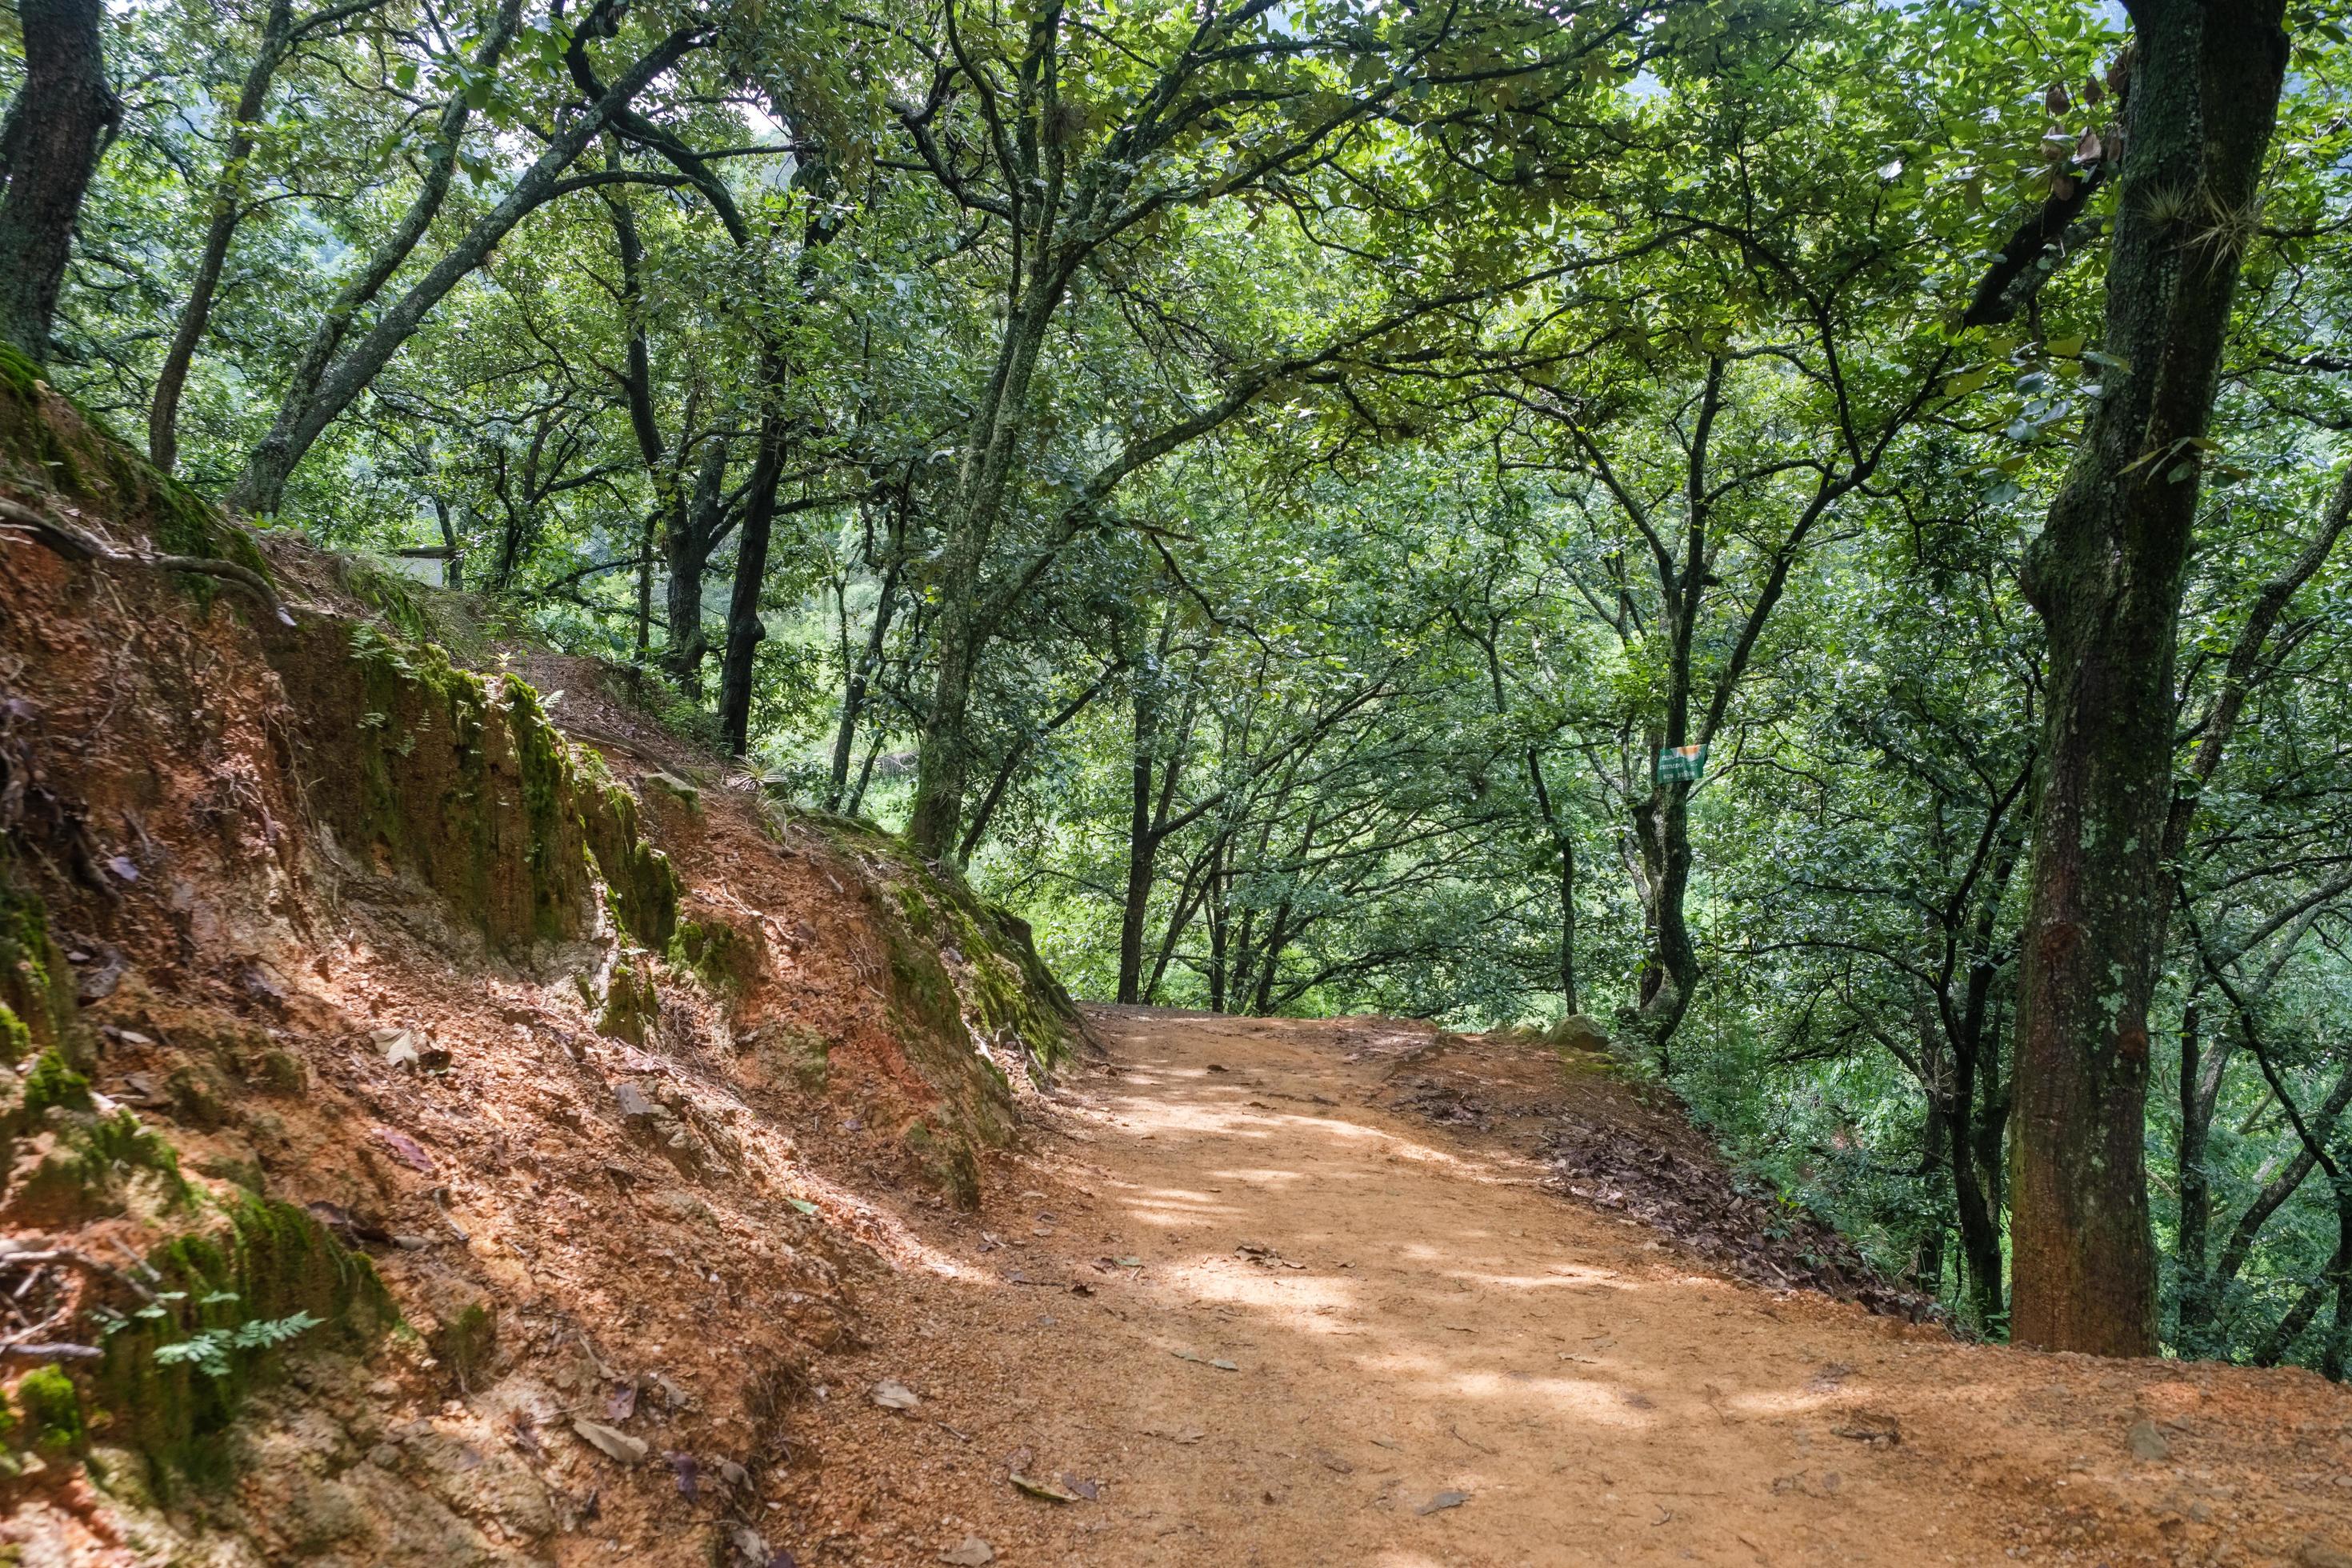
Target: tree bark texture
x=2105, y=577
x=58, y=128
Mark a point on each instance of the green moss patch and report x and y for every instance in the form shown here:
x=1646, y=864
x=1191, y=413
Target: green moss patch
x=37, y=988
x=726, y=958
x=631, y=1003
x=53, y=1421
x=463, y=782
x=177, y=1370
x=48, y=443
x=642, y=886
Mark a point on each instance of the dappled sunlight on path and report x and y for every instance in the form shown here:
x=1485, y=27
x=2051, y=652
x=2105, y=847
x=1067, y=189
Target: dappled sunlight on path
x=1287, y=1326
x=1423, y=1321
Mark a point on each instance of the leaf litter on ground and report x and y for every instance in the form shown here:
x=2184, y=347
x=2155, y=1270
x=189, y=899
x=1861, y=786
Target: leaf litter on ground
x=1045, y=1490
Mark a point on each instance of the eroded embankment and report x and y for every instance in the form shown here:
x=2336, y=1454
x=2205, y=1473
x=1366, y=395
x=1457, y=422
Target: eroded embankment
x=427, y=1140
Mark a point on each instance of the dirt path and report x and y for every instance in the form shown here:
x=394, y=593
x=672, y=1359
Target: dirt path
x=1435, y=1360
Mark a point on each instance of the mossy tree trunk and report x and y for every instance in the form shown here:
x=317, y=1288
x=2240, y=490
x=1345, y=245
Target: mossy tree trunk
x=2105, y=577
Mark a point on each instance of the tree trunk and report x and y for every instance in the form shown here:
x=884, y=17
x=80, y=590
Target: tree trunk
x=2196, y=1194
x=1142, y=834
x=2332, y=1279
x=2283, y=1184
x=58, y=128
x=745, y=630
x=860, y=679
x=2338, y=1349
x=325, y=386
x=1935, y=1142
x=687, y=554
x=2105, y=577
x=1219, y=915
x=864, y=774
x=945, y=762
x=452, y=575
x=944, y=756
x=1670, y=969
x=1975, y=1209
x=1564, y=841
x=665, y=527
x=1662, y=824
x=228, y=211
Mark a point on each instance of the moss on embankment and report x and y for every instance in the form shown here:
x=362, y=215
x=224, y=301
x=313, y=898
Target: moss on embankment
x=459, y=779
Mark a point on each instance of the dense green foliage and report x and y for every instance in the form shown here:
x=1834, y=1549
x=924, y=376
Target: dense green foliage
x=1262, y=486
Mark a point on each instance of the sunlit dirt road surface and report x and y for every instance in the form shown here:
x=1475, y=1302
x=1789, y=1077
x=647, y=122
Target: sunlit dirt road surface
x=1239, y=1313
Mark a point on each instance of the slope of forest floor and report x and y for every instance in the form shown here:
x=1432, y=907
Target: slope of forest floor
x=444, y=1113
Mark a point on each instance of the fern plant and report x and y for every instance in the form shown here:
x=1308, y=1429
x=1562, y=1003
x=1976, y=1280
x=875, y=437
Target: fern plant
x=209, y=1350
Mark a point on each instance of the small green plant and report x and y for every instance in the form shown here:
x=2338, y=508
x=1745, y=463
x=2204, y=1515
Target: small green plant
x=371, y=646
x=209, y=1350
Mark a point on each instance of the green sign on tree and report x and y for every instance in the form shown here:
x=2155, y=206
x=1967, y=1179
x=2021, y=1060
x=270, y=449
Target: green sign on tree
x=1680, y=764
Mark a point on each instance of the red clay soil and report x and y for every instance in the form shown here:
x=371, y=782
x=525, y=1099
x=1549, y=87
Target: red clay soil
x=1244, y=1314
x=657, y=1228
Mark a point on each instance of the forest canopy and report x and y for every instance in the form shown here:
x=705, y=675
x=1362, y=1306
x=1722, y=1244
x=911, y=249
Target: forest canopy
x=1807, y=532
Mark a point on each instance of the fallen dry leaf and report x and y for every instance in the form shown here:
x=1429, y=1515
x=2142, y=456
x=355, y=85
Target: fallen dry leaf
x=1045, y=1489
x=406, y=1150
x=614, y=1443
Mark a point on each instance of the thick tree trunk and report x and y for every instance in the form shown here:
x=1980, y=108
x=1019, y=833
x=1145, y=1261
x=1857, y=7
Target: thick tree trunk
x=1670, y=969
x=2107, y=575
x=59, y=126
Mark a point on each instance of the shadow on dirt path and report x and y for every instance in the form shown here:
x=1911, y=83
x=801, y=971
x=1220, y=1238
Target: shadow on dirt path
x=1267, y=1323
